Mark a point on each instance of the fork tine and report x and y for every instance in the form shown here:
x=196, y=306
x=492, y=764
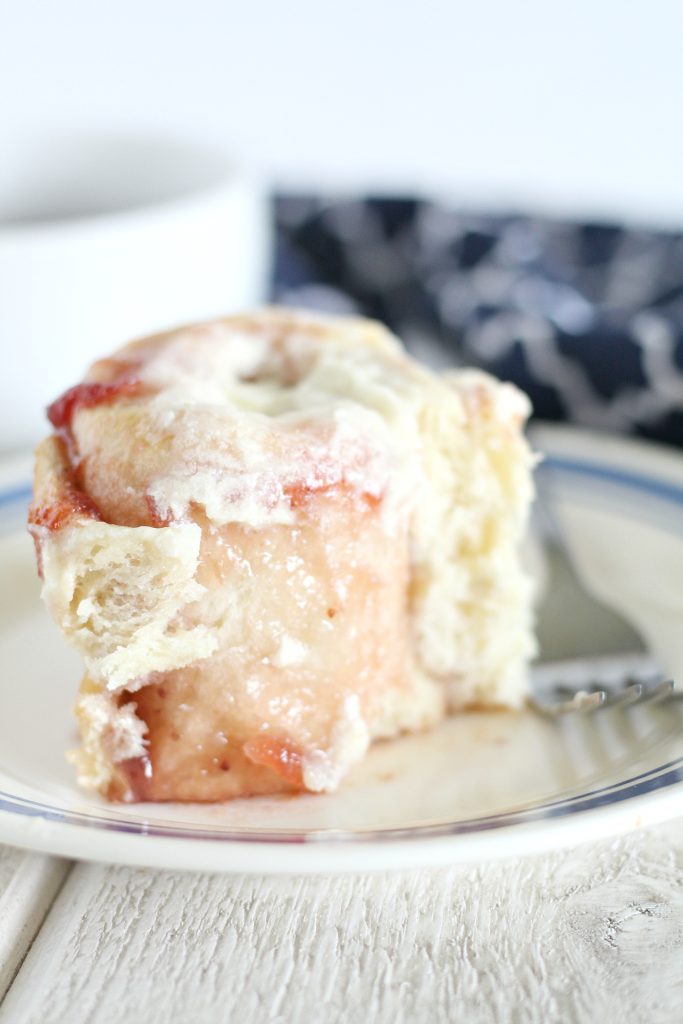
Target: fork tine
x=662, y=691
x=580, y=701
x=631, y=694
x=585, y=702
x=634, y=693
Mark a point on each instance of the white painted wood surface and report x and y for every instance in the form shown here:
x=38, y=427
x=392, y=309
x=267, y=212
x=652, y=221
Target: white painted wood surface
x=29, y=883
x=594, y=934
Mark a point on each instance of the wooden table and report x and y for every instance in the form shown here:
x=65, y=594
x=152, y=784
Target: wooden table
x=593, y=934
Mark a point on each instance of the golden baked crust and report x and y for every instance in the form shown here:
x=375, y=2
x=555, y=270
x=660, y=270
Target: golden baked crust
x=274, y=538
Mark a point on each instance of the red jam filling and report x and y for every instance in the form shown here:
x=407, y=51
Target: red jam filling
x=56, y=514
x=137, y=773
x=155, y=517
x=279, y=755
x=87, y=396
x=300, y=493
x=123, y=384
x=53, y=515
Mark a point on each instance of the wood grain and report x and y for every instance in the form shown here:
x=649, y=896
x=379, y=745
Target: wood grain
x=28, y=885
x=594, y=934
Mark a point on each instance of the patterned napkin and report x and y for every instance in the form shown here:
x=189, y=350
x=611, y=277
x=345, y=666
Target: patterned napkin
x=587, y=318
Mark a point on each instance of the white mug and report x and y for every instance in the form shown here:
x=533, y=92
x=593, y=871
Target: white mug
x=104, y=239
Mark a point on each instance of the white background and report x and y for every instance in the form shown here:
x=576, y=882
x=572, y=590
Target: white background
x=573, y=106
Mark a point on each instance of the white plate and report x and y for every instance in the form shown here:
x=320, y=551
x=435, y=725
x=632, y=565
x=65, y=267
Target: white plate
x=478, y=787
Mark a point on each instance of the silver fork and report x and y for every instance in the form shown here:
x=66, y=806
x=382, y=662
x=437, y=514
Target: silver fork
x=562, y=699
x=554, y=693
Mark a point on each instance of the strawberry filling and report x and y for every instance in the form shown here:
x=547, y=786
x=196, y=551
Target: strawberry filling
x=87, y=396
x=71, y=504
x=278, y=755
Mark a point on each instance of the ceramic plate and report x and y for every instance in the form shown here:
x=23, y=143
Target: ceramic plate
x=478, y=787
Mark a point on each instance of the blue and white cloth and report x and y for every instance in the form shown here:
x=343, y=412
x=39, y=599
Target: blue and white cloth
x=587, y=318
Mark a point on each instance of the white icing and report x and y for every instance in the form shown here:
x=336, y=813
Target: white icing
x=315, y=414
x=323, y=770
x=290, y=652
x=201, y=363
